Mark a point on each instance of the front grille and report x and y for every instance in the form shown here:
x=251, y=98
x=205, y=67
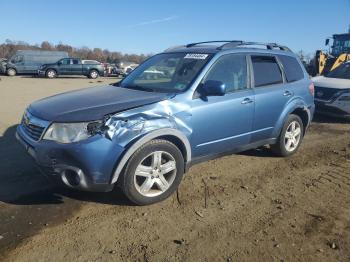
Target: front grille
x=325, y=93
x=32, y=130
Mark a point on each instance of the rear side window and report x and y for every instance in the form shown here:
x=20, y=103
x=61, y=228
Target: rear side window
x=291, y=68
x=266, y=71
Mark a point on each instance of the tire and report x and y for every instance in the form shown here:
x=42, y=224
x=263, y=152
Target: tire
x=93, y=74
x=11, y=72
x=50, y=73
x=289, y=139
x=157, y=178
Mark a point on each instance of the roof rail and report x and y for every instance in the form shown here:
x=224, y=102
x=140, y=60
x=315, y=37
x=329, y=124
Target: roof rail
x=233, y=44
x=210, y=42
x=270, y=46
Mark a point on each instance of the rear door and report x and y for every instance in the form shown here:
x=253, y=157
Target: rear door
x=76, y=67
x=271, y=94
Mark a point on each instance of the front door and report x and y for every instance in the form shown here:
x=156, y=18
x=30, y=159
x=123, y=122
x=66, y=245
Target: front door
x=223, y=123
x=64, y=66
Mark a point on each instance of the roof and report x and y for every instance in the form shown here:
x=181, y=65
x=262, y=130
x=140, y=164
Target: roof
x=213, y=47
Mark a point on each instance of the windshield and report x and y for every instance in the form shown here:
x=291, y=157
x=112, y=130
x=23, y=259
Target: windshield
x=170, y=72
x=342, y=71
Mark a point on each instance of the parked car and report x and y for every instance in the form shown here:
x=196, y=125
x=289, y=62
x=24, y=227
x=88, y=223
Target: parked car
x=72, y=66
x=3, y=62
x=127, y=67
x=153, y=74
x=143, y=135
x=29, y=61
x=118, y=72
x=332, y=92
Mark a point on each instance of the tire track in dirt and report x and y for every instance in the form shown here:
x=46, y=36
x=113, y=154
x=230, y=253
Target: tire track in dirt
x=259, y=206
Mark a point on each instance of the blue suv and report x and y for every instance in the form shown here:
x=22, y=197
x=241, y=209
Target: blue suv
x=183, y=106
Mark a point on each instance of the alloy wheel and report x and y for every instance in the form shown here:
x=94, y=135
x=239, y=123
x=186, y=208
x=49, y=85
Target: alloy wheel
x=155, y=174
x=292, y=136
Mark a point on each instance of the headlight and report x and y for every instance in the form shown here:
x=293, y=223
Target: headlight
x=71, y=132
x=344, y=97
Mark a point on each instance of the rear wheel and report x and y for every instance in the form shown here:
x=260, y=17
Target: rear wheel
x=11, y=72
x=153, y=173
x=290, y=137
x=93, y=74
x=51, y=73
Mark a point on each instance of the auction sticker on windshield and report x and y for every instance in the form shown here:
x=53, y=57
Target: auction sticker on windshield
x=196, y=56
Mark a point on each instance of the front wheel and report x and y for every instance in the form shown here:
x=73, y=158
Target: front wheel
x=153, y=172
x=51, y=73
x=11, y=72
x=93, y=74
x=290, y=137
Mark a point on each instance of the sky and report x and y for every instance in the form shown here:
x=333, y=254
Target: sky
x=152, y=26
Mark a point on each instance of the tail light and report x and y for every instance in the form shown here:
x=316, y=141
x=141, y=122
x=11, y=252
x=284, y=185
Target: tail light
x=312, y=89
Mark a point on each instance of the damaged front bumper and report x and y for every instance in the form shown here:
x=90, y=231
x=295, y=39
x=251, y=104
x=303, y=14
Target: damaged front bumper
x=95, y=164
x=86, y=165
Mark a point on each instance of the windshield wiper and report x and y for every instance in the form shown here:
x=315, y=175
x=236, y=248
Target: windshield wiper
x=142, y=88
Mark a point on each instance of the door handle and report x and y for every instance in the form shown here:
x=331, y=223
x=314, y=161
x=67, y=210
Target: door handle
x=287, y=93
x=247, y=101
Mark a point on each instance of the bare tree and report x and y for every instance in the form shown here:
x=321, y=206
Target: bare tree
x=8, y=48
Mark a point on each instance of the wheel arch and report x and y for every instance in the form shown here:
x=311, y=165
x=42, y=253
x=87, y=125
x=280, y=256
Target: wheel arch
x=93, y=69
x=302, y=113
x=51, y=69
x=172, y=135
x=297, y=107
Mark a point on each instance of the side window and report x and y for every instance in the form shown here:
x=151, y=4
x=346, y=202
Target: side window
x=266, y=71
x=231, y=70
x=75, y=61
x=65, y=61
x=291, y=68
x=17, y=59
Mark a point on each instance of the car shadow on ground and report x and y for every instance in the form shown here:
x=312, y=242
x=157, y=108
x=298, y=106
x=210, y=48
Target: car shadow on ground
x=22, y=183
x=263, y=151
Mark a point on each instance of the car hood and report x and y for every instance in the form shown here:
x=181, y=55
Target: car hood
x=50, y=64
x=336, y=83
x=92, y=103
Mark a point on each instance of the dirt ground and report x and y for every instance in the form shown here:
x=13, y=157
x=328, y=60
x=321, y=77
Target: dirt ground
x=247, y=207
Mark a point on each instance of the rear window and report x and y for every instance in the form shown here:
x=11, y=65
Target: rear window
x=266, y=71
x=291, y=68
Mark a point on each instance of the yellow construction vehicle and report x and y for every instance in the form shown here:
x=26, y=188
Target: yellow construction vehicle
x=338, y=54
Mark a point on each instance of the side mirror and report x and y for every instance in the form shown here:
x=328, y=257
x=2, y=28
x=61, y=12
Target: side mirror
x=59, y=63
x=327, y=42
x=214, y=88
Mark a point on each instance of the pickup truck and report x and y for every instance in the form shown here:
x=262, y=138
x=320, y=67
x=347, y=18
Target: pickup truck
x=72, y=66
